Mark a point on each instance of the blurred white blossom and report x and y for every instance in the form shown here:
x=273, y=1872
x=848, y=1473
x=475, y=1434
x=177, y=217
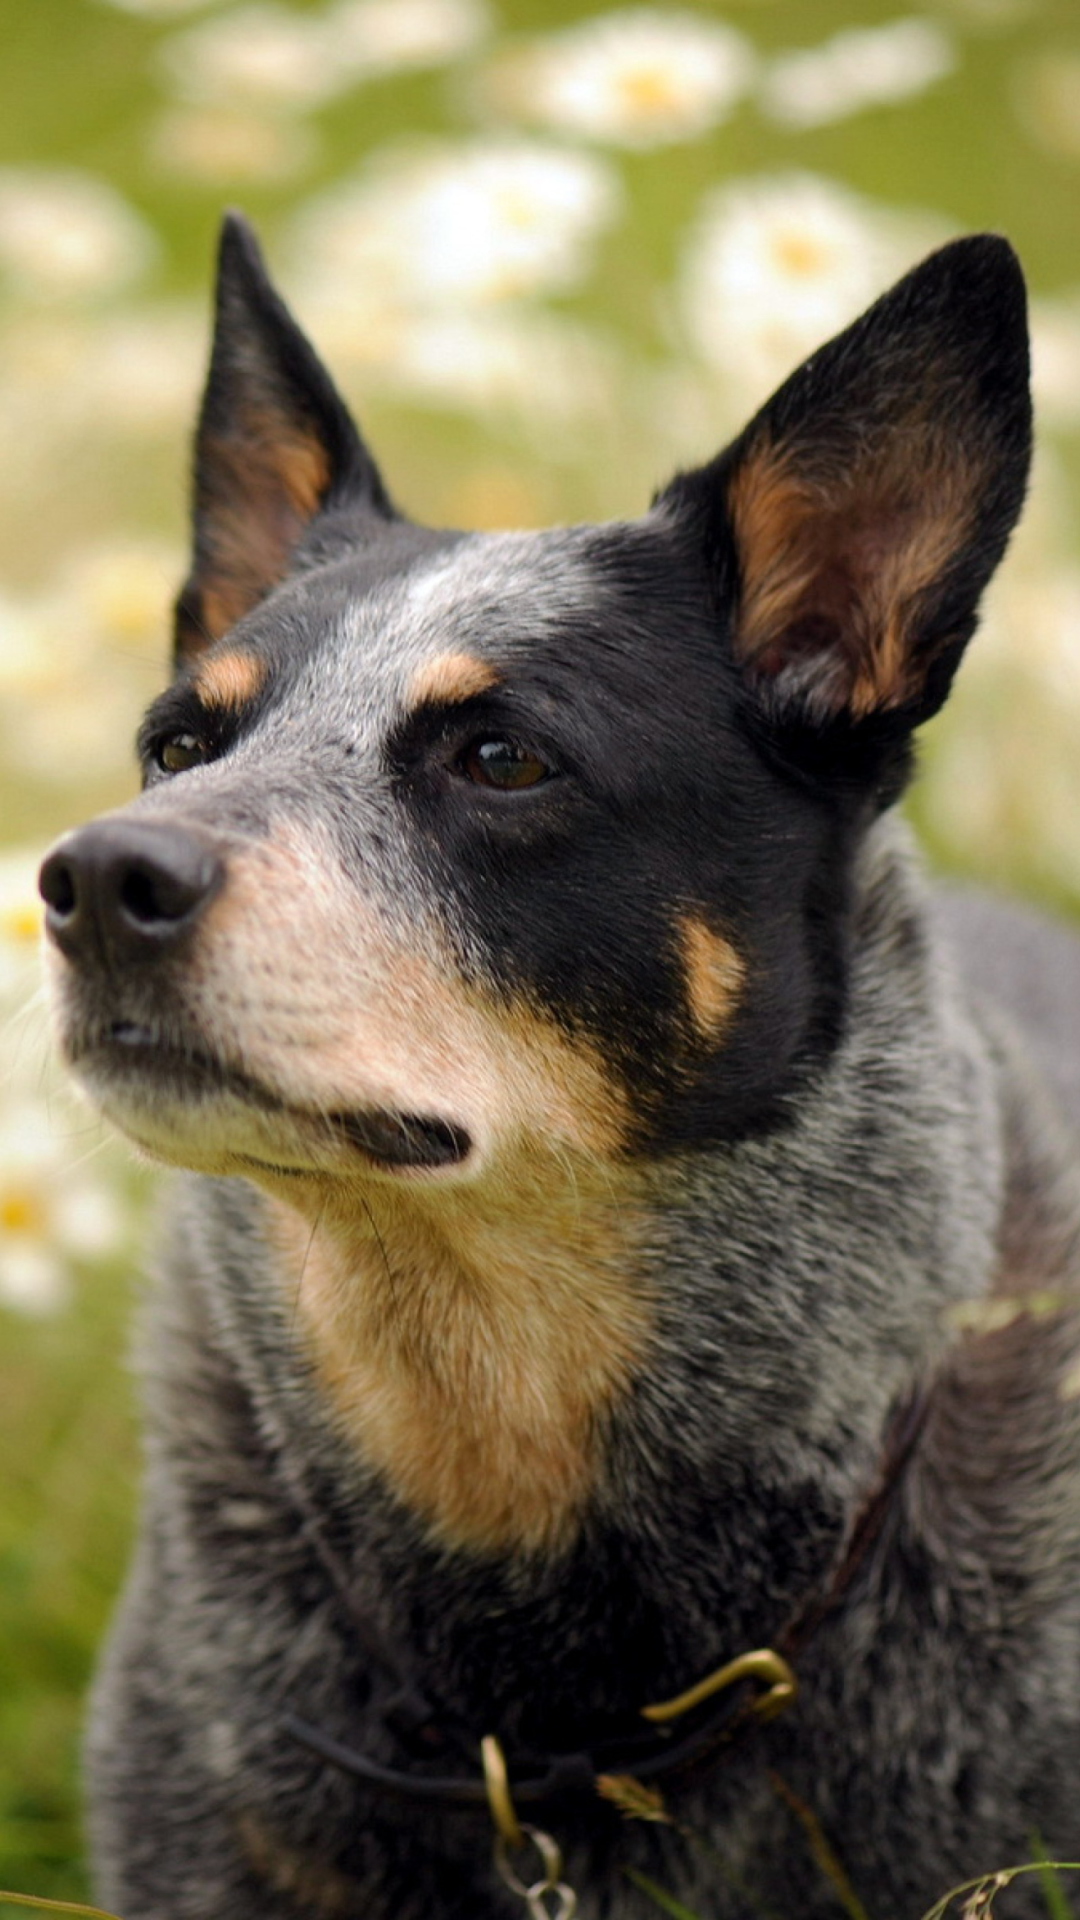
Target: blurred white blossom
x=861, y=67
x=1055, y=361
x=65, y=234
x=83, y=387
x=140, y=370
x=375, y=37
x=541, y=366
x=776, y=264
x=453, y=225
x=265, y=54
x=53, y=1211
x=21, y=920
x=641, y=77
x=70, y=659
x=61, y=1201
x=157, y=9
x=225, y=144
x=1000, y=783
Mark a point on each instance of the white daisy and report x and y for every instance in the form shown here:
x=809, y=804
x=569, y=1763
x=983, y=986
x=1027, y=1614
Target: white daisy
x=139, y=370
x=261, y=53
x=774, y=265
x=21, y=922
x=542, y=366
x=1055, y=360
x=641, y=77
x=53, y=1212
x=862, y=67
x=454, y=225
x=983, y=803
x=83, y=655
x=270, y=55
x=224, y=144
x=156, y=9
x=375, y=37
x=65, y=234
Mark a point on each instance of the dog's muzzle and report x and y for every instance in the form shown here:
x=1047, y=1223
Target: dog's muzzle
x=124, y=898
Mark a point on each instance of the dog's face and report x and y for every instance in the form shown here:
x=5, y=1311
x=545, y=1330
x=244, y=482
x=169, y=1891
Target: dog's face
x=455, y=848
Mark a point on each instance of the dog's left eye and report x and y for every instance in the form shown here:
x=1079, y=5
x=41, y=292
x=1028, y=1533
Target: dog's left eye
x=503, y=764
x=180, y=751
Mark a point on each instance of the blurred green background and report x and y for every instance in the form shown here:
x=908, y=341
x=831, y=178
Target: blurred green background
x=550, y=253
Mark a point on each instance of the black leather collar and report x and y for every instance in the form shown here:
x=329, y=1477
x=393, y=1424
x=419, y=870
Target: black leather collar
x=712, y=1726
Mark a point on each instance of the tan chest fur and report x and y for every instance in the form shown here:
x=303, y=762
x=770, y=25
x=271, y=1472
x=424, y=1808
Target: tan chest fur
x=472, y=1348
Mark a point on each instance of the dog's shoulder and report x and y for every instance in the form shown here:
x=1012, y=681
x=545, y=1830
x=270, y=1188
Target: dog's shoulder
x=1026, y=966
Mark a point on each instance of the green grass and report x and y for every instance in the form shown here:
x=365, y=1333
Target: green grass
x=67, y=1463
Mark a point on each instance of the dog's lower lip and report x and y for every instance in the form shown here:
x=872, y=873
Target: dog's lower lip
x=385, y=1135
x=405, y=1139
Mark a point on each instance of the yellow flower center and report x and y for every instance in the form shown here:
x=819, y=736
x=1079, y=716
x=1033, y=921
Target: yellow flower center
x=21, y=923
x=649, y=91
x=801, y=256
x=21, y=1212
x=517, y=209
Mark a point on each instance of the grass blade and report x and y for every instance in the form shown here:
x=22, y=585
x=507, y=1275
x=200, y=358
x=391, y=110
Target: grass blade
x=52, y=1906
x=825, y=1855
x=665, y=1901
x=1057, y=1906
x=1041, y=1867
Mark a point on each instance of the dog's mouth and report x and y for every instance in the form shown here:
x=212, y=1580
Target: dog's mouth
x=404, y=1139
x=127, y=1055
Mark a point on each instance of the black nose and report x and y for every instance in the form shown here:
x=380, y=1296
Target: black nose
x=122, y=890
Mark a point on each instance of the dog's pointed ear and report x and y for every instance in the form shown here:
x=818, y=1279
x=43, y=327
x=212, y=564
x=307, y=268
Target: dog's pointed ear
x=275, y=444
x=858, y=518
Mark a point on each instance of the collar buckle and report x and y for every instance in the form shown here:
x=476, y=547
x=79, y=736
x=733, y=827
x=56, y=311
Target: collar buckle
x=770, y=1669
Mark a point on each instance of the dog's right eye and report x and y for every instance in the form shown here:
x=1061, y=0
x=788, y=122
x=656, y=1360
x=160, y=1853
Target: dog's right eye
x=503, y=764
x=178, y=752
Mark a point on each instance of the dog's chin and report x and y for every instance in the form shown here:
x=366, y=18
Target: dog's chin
x=188, y=1108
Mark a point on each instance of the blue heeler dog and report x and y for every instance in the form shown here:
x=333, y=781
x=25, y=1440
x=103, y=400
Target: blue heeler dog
x=597, y=1137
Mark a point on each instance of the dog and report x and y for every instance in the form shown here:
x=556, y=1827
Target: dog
x=625, y=1278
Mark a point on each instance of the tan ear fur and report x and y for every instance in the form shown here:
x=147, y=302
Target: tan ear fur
x=837, y=562
x=275, y=442
x=270, y=483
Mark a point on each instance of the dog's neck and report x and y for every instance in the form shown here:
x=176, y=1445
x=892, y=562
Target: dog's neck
x=473, y=1346
x=499, y=1353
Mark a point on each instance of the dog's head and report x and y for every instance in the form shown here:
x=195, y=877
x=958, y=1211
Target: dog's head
x=453, y=845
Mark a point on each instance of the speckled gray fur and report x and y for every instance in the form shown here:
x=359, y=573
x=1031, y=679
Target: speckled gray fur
x=948, y=1681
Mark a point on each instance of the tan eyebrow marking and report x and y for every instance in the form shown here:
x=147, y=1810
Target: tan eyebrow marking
x=450, y=677
x=230, y=679
x=714, y=976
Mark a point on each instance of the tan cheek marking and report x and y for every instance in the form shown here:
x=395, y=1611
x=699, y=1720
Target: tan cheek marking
x=230, y=679
x=382, y=1023
x=558, y=1085
x=472, y=1358
x=450, y=678
x=714, y=977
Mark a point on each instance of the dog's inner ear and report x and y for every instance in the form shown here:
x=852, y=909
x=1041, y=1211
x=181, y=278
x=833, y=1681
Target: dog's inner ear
x=275, y=445
x=861, y=514
x=839, y=570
